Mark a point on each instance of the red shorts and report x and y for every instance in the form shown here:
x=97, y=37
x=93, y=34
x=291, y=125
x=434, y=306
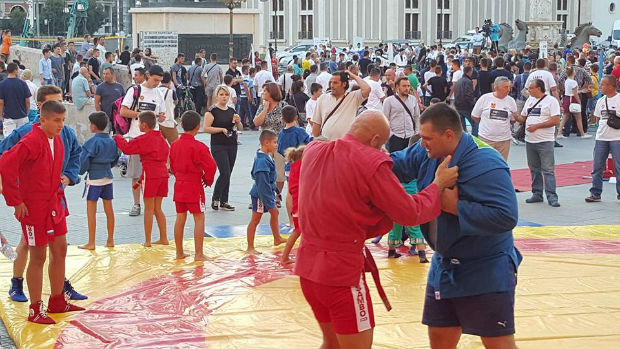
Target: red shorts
x=155, y=187
x=38, y=235
x=348, y=308
x=192, y=207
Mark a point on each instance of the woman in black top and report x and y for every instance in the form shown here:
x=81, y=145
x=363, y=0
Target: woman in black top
x=222, y=123
x=298, y=99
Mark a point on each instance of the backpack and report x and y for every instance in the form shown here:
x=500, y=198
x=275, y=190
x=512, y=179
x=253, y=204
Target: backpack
x=121, y=124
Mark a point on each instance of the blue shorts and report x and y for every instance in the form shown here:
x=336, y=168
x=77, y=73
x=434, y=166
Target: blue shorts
x=104, y=192
x=485, y=315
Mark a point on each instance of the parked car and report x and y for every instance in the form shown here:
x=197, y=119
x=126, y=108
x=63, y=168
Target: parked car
x=286, y=56
x=462, y=41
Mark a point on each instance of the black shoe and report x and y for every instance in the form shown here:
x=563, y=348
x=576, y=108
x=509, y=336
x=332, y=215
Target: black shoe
x=534, y=199
x=393, y=254
x=215, y=205
x=558, y=145
x=554, y=203
x=593, y=198
x=226, y=207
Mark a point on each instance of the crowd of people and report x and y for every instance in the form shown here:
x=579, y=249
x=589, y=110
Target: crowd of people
x=415, y=145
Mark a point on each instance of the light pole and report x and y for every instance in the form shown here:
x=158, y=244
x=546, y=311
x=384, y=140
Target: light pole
x=442, y=24
x=231, y=4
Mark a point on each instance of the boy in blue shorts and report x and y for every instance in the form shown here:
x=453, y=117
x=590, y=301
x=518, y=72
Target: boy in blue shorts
x=99, y=155
x=263, y=192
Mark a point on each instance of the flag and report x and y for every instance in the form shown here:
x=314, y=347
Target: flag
x=251, y=56
x=390, y=52
x=268, y=58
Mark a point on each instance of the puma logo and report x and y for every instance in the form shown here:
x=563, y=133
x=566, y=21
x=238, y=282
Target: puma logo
x=502, y=323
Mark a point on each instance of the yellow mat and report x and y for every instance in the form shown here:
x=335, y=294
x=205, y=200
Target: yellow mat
x=144, y=298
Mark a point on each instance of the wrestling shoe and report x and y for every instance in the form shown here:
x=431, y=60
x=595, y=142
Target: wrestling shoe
x=59, y=304
x=422, y=256
x=17, y=290
x=73, y=294
x=393, y=254
x=135, y=210
x=38, y=315
x=377, y=239
x=226, y=207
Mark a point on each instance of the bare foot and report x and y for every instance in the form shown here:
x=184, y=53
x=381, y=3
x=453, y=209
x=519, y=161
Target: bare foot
x=286, y=261
x=279, y=241
x=201, y=258
x=161, y=242
x=146, y=244
x=87, y=247
x=182, y=255
x=110, y=243
x=252, y=251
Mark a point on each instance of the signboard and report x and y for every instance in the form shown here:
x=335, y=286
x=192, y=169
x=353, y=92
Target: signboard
x=543, y=50
x=163, y=44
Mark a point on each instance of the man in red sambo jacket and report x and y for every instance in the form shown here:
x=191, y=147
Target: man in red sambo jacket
x=332, y=256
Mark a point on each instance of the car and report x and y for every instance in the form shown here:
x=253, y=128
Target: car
x=286, y=56
x=463, y=41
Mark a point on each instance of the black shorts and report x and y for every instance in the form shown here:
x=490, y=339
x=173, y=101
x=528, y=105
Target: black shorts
x=485, y=315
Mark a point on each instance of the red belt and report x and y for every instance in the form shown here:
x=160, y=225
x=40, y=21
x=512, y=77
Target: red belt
x=371, y=266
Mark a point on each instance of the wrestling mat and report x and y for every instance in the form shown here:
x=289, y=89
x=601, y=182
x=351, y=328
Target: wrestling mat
x=568, y=296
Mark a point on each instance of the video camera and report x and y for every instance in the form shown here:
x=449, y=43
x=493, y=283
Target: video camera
x=486, y=27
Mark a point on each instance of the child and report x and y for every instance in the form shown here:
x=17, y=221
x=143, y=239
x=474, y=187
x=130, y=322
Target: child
x=99, y=155
x=264, y=189
x=193, y=166
x=232, y=99
x=316, y=90
x=293, y=155
x=31, y=173
x=153, y=150
x=416, y=238
x=291, y=136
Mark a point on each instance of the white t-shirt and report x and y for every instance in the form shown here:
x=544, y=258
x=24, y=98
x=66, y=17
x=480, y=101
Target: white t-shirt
x=458, y=74
x=260, y=79
x=376, y=93
x=33, y=94
x=286, y=81
x=323, y=80
x=543, y=75
x=150, y=99
x=167, y=95
x=543, y=112
x=310, y=106
x=604, y=132
x=429, y=74
x=51, y=141
x=495, y=115
x=569, y=85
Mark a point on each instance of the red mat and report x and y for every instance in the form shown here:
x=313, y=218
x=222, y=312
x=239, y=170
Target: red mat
x=565, y=175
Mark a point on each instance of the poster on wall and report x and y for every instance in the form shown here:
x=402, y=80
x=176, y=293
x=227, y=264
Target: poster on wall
x=163, y=44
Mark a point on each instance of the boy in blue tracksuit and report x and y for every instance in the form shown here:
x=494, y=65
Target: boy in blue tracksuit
x=472, y=278
x=70, y=169
x=99, y=155
x=263, y=192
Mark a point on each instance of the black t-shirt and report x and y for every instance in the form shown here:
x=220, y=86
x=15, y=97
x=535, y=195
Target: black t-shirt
x=223, y=119
x=125, y=58
x=501, y=72
x=94, y=62
x=298, y=100
x=439, y=86
x=235, y=73
x=484, y=81
x=364, y=62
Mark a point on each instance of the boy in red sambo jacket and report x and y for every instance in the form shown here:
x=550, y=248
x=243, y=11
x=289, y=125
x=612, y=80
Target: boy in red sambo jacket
x=153, y=150
x=31, y=173
x=193, y=167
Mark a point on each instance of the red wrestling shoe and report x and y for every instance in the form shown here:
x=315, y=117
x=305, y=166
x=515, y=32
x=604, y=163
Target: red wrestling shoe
x=38, y=315
x=58, y=304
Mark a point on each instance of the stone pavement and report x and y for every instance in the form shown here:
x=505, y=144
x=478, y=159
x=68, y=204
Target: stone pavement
x=574, y=210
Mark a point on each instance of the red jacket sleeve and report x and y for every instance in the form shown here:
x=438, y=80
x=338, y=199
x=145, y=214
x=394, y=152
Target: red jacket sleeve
x=129, y=147
x=10, y=163
x=409, y=210
x=208, y=166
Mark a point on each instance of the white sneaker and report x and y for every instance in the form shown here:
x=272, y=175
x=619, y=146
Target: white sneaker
x=560, y=137
x=586, y=136
x=135, y=211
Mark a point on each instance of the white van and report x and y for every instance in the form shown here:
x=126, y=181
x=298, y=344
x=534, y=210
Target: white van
x=615, y=34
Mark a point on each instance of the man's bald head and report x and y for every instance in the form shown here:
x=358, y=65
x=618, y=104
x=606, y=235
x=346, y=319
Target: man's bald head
x=371, y=128
x=84, y=71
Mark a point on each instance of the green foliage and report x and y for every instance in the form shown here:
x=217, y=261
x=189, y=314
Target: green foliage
x=17, y=17
x=96, y=16
x=53, y=12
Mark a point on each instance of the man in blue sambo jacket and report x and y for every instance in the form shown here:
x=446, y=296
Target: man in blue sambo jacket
x=473, y=274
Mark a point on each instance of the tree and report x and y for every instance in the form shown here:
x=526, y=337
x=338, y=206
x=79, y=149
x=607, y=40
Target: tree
x=96, y=16
x=53, y=13
x=16, y=20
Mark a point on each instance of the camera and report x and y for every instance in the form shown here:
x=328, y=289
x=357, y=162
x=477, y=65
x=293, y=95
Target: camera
x=486, y=27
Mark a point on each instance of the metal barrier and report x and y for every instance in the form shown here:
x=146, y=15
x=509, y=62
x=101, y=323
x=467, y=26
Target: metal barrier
x=112, y=43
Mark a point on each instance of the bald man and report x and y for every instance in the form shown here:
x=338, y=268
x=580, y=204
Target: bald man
x=357, y=197
x=80, y=89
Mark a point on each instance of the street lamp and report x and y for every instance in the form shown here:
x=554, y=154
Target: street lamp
x=231, y=5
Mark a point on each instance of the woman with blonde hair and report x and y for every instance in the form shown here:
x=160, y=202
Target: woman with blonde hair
x=34, y=110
